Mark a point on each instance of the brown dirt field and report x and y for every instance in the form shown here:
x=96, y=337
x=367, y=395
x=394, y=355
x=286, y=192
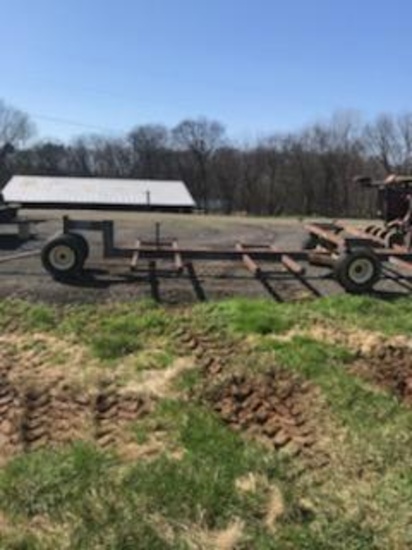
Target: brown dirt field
x=110, y=280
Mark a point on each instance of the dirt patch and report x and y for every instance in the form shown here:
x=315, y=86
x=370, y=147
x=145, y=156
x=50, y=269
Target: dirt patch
x=362, y=341
x=382, y=360
x=212, y=353
x=390, y=367
x=29, y=359
x=41, y=417
x=274, y=407
x=43, y=406
x=54, y=393
x=157, y=383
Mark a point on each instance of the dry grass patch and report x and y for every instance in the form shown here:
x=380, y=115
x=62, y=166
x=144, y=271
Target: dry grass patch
x=160, y=383
x=228, y=538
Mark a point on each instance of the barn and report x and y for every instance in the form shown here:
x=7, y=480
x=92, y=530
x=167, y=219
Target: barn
x=98, y=194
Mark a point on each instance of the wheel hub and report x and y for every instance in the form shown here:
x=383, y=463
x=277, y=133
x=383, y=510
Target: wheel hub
x=361, y=271
x=62, y=258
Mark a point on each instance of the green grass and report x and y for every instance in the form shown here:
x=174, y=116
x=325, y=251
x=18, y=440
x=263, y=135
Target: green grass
x=50, y=483
x=26, y=316
x=103, y=505
x=244, y=316
x=98, y=502
x=200, y=487
x=110, y=332
x=247, y=317
x=115, y=332
x=389, y=317
x=121, y=325
x=81, y=491
x=375, y=438
x=82, y=498
x=336, y=536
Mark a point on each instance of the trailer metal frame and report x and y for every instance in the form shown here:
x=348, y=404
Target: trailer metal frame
x=169, y=250
x=336, y=244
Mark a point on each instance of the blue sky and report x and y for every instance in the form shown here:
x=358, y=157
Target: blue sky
x=259, y=66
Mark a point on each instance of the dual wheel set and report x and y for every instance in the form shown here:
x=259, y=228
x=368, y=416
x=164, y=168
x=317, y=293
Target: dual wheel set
x=64, y=256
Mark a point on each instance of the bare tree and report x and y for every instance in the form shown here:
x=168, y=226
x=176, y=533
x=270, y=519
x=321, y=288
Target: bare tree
x=149, y=145
x=404, y=123
x=201, y=138
x=384, y=142
x=80, y=159
x=5, y=172
x=303, y=172
x=227, y=171
x=101, y=156
x=43, y=159
x=272, y=154
x=15, y=126
x=253, y=169
x=307, y=172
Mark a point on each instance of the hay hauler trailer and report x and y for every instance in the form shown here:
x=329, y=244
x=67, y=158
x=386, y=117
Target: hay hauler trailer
x=356, y=259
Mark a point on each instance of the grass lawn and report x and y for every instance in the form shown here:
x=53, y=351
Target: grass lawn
x=189, y=476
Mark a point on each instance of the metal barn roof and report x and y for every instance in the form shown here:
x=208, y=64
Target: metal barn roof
x=46, y=190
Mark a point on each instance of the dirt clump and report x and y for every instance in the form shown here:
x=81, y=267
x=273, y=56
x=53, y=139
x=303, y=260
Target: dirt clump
x=212, y=353
x=390, y=367
x=274, y=408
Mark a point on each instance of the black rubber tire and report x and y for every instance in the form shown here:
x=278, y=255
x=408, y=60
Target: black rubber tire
x=72, y=256
x=358, y=271
x=83, y=244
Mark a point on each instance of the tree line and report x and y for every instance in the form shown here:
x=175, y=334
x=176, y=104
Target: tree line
x=308, y=172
